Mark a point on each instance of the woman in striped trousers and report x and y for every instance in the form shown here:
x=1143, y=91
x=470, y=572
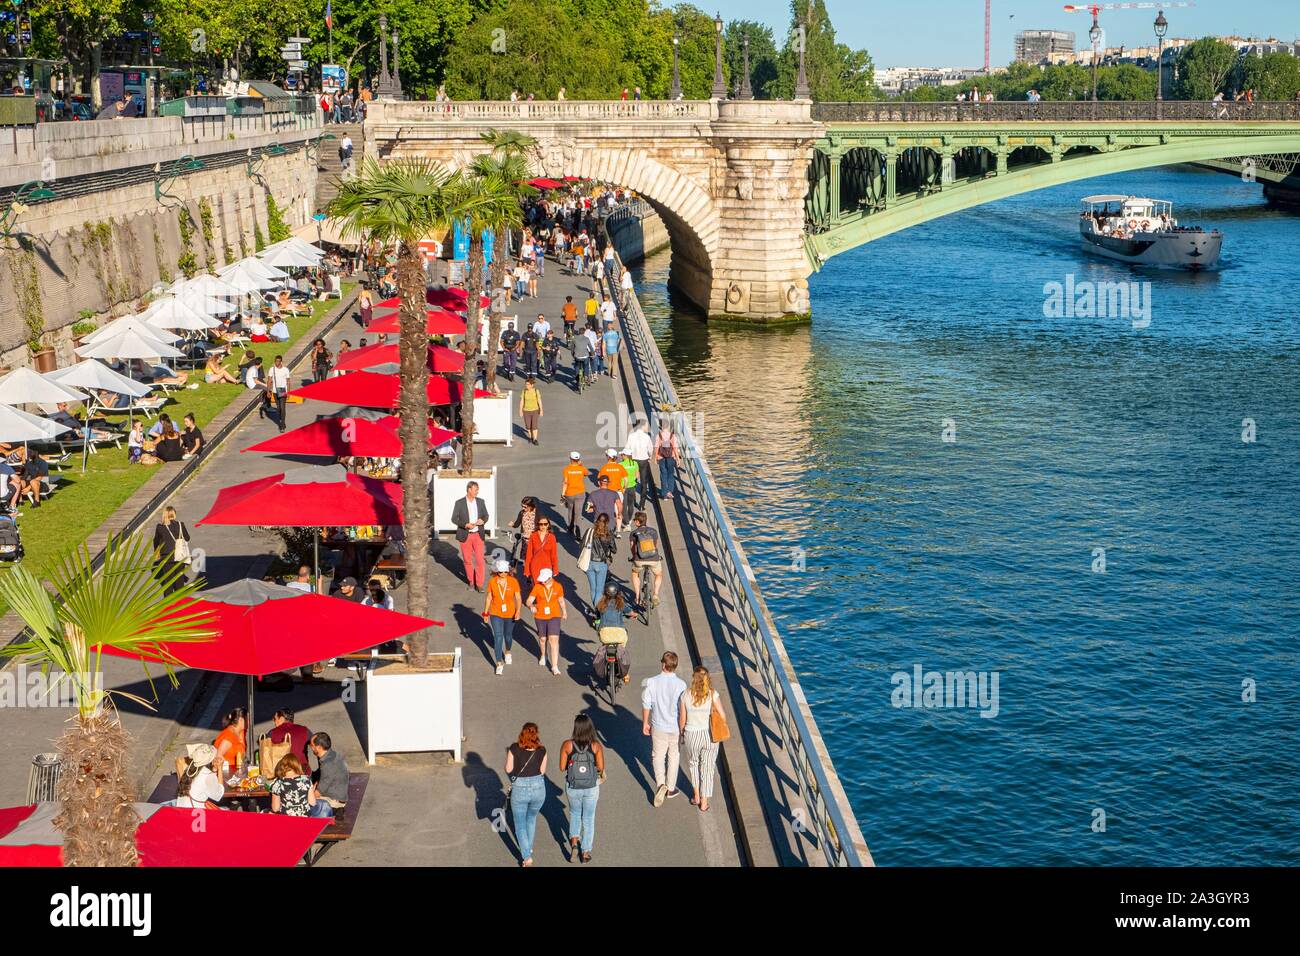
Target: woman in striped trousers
x=698, y=704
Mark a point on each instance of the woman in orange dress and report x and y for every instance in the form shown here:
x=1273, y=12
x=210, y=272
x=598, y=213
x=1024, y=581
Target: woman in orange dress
x=230, y=744
x=541, y=551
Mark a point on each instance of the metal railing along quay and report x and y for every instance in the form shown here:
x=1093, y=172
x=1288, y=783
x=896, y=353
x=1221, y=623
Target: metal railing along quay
x=829, y=815
x=1013, y=111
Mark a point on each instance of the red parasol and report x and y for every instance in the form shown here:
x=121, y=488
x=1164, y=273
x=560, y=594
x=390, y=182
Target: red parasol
x=372, y=390
x=437, y=322
x=393, y=302
x=385, y=358
x=541, y=182
x=313, y=496
x=167, y=836
x=453, y=298
x=342, y=435
x=573, y=179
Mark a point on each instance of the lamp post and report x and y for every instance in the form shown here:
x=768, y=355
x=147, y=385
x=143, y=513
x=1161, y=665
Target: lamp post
x=801, y=88
x=719, y=83
x=1094, y=34
x=1161, y=28
x=745, y=91
x=676, y=92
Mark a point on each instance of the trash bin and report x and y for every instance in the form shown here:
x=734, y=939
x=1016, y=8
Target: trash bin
x=43, y=780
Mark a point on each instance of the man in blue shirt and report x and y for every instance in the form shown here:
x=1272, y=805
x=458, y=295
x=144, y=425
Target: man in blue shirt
x=611, y=341
x=661, y=697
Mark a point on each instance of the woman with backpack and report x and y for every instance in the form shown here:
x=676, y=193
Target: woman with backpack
x=582, y=759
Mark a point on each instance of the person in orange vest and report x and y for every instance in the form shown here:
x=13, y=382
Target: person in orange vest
x=501, y=611
x=546, y=601
x=574, y=489
x=612, y=470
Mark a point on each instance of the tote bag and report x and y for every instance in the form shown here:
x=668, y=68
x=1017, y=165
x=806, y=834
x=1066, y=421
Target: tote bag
x=584, y=559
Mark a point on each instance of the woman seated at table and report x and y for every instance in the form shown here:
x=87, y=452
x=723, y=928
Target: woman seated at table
x=257, y=330
x=214, y=371
x=197, y=787
x=230, y=744
x=293, y=793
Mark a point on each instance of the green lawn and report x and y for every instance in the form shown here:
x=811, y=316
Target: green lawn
x=82, y=503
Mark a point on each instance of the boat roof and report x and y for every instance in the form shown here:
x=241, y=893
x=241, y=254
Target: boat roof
x=1118, y=198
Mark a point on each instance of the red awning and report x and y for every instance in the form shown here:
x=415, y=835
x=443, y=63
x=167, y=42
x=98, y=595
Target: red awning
x=168, y=837
x=437, y=322
x=335, y=437
x=393, y=302
x=573, y=179
x=453, y=298
x=372, y=390
x=541, y=182
x=374, y=357
x=309, y=497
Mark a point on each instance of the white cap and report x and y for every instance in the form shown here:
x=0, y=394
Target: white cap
x=576, y=456
x=544, y=574
x=610, y=453
x=626, y=453
x=501, y=567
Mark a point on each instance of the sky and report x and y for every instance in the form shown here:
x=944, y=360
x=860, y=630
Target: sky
x=951, y=32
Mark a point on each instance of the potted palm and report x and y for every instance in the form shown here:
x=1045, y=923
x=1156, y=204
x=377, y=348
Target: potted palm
x=130, y=604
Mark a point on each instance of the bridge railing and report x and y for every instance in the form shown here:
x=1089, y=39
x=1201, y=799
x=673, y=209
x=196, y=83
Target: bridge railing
x=478, y=111
x=1055, y=111
x=829, y=815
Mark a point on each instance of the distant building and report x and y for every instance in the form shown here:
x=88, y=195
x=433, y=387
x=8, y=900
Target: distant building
x=896, y=80
x=1043, y=46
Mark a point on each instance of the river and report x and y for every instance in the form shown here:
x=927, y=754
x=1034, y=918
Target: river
x=937, y=473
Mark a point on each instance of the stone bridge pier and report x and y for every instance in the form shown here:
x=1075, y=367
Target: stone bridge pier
x=728, y=178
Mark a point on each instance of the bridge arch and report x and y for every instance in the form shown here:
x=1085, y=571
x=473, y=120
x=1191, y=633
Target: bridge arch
x=914, y=211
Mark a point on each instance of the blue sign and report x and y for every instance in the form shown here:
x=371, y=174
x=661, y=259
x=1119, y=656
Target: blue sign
x=460, y=244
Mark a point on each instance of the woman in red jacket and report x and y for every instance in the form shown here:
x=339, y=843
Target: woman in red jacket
x=541, y=551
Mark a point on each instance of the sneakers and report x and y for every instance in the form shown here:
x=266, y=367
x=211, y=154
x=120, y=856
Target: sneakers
x=660, y=793
x=555, y=671
x=509, y=659
x=673, y=793
x=501, y=668
x=541, y=661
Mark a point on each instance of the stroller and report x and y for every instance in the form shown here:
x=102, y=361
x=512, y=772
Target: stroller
x=11, y=541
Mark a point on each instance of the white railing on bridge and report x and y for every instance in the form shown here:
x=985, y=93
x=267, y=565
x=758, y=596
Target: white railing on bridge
x=523, y=111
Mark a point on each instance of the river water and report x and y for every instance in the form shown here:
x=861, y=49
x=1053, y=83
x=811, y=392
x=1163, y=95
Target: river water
x=938, y=475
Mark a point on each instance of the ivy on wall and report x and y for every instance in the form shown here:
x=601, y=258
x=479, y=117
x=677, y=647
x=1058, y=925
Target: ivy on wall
x=206, y=221
x=276, y=228
x=27, y=288
x=187, y=262
x=98, y=241
x=160, y=255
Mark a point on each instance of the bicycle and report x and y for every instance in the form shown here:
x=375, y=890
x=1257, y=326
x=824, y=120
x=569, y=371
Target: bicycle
x=645, y=600
x=612, y=681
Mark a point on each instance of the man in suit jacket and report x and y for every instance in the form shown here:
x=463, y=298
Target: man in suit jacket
x=470, y=516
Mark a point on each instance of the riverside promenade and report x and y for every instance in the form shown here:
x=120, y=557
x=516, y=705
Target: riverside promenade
x=423, y=809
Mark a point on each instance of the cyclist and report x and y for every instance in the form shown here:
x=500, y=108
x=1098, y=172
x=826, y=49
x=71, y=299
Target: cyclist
x=573, y=491
x=611, y=612
x=581, y=361
x=570, y=319
x=591, y=306
x=646, y=556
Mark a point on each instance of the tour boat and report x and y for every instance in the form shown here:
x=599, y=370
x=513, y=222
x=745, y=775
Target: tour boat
x=1145, y=232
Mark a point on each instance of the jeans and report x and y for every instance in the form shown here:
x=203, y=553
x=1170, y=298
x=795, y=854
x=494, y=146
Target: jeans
x=322, y=809
x=597, y=571
x=667, y=477
x=526, y=799
x=582, y=816
x=530, y=362
x=503, y=636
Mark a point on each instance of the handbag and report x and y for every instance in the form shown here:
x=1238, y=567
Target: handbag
x=584, y=558
x=510, y=781
x=180, y=547
x=718, y=729
x=270, y=754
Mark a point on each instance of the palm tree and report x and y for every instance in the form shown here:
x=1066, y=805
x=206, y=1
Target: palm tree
x=129, y=605
x=508, y=163
x=485, y=204
x=403, y=202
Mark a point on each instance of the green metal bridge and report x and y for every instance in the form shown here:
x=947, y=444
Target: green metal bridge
x=882, y=167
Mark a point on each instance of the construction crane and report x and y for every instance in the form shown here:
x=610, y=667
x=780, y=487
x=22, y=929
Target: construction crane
x=988, y=10
x=1096, y=8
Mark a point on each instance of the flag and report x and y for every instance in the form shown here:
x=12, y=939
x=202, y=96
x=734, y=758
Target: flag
x=329, y=15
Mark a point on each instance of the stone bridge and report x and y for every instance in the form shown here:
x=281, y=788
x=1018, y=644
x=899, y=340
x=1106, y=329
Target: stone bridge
x=756, y=195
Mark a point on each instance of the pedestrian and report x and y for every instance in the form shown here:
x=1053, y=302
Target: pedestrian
x=632, y=478
x=509, y=344
x=501, y=609
x=603, y=548
x=320, y=361
x=641, y=447
x=696, y=718
x=617, y=475
x=582, y=760
x=526, y=770
x=546, y=601
x=605, y=501
x=366, y=301
x=277, y=389
x=573, y=487
x=542, y=552
x=530, y=407
x=171, y=545
x=550, y=346
x=669, y=455
x=525, y=524
x=470, y=516
x=582, y=354
x=661, y=697
x=529, y=352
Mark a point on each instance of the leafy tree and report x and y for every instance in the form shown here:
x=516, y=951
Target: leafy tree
x=836, y=72
x=1126, y=81
x=129, y=605
x=762, y=54
x=1274, y=76
x=1203, y=68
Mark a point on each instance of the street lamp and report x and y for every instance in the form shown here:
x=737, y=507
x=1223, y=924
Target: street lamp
x=676, y=92
x=1094, y=34
x=1161, y=28
x=719, y=84
x=744, y=90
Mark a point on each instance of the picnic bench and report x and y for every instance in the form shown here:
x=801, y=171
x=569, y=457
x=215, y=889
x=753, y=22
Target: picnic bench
x=340, y=827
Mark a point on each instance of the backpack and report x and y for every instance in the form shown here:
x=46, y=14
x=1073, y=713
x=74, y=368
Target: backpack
x=181, y=547
x=581, y=774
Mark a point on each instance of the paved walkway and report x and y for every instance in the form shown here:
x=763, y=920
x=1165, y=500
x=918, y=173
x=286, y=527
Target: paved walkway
x=422, y=809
